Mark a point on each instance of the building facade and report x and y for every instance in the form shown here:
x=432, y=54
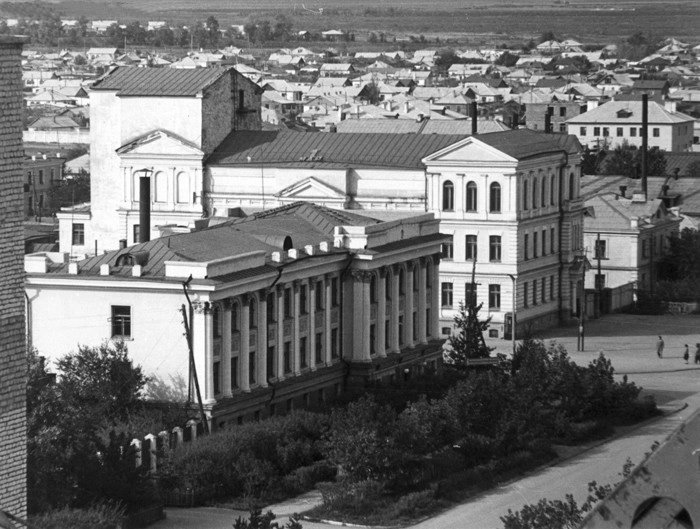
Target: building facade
x=289, y=307
x=13, y=350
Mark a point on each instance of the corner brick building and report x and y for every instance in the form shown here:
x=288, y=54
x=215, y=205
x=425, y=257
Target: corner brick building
x=13, y=441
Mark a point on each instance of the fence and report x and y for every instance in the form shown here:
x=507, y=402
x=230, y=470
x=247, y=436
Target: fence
x=57, y=136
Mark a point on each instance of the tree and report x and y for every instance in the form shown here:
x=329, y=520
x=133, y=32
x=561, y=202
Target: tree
x=626, y=160
x=70, y=191
x=469, y=341
x=135, y=33
x=258, y=520
x=507, y=59
x=212, y=30
x=547, y=35
x=682, y=260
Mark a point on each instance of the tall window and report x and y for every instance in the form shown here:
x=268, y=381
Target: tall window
x=526, y=247
x=78, y=238
x=252, y=314
x=217, y=322
x=183, y=188
x=571, y=186
x=470, y=251
x=335, y=296
x=303, y=299
x=544, y=289
x=534, y=193
x=121, y=321
x=319, y=295
x=251, y=368
x=271, y=313
x=287, y=357
x=234, y=372
x=446, y=298
x=495, y=248
x=495, y=297
x=526, y=297
x=535, y=248
x=448, y=250
x=287, y=298
x=495, y=198
x=552, y=190
x=303, y=352
x=373, y=289
x=318, y=348
x=448, y=196
x=543, y=192
x=552, y=246
x=235, y=320
x=471, y=196
x=600, y=250
x=551, y=287
x=525, y=199
x=161, y=186
x=41, y=176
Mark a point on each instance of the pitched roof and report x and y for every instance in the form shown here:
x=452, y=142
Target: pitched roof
x=609, y=112
x=292, y=149
x=171, y=82
x=615, y=213
x=526, y=143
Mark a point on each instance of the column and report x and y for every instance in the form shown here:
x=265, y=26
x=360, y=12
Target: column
x=381, y=312
x=280, y=331
x=208, y=341
x=262, y=339
x=360, y=315
x=422, y=304
x=394, y=326
x=312, y=323
x=327, y=317
x=244, y=359
x=435, y=298
x=408, y=306
x=296, y=360
x=226, y=349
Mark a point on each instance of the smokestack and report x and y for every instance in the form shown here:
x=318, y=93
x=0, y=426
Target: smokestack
x=474, y=123
x=144, y=207
x=645, y=142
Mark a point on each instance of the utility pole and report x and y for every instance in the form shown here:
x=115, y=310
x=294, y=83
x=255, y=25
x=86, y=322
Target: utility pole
x=599, y=282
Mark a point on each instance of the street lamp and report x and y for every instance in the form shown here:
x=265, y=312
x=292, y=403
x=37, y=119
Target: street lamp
x=514, y=279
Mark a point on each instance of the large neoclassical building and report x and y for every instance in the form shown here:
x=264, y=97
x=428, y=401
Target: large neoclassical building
x=289, y=307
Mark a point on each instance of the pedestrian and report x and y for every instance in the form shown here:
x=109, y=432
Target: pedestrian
x=697, y=353
x=660, y=347
x=686, y=354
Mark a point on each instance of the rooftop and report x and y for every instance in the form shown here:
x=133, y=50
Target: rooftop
x=132, y=81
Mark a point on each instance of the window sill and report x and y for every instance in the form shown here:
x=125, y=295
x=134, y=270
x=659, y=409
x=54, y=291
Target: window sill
x=123, y=338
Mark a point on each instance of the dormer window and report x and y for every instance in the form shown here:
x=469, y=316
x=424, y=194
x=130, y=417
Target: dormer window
x=624, y=113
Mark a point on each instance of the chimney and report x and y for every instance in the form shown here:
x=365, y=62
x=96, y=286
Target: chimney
x=104, y=269
x=475, y=127
x=144, y=207
x=406, y=108
x=645, y=140
x=122, y=244
x=670, y=106
x=332, y=128
x=623, y=190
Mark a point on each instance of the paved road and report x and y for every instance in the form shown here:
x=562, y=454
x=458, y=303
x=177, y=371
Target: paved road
x=630, y=342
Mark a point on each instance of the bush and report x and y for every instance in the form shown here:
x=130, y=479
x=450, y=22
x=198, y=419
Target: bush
x=105, y=515
x=352, y=497
x=413, y=505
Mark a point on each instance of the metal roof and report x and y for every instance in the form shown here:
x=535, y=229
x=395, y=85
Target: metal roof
x=169, y=82
x=525, y=143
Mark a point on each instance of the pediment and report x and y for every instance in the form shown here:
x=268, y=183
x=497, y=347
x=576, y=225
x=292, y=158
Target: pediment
x=309, y=188
x=468, y=151
x=160, y=143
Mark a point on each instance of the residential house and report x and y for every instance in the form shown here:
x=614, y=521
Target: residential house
x=342, y=70
x=101, y=26
x=559, y=112
x=102, y=54
x=289, y=308
x=620, y=122
x=41, y=173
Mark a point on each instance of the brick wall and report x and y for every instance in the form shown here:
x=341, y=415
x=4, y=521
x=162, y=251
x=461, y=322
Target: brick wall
x=13, y=441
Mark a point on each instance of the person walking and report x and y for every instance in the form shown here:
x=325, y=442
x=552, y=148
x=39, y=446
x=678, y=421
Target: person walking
x=697, y=353
x=660, y=347
x=686, y=354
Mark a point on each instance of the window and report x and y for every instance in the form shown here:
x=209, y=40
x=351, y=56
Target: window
x=655, y=132
x=470, y=294
x=641, y=132
x=543, y=192
x=645, y=250
x=562, y=112
x=121, y=321
x=534, y=193
x=596, y=131
x=535, y=248
x=303, y=352
x=534, y=292
x=41, y=176
x=318, y=348
x=495, y=248
x=217, y=322
x=234, y=372
x=448, y=196
x=571, y=186
x=551, y=287
x=303, y=299
x=241, y=99
x=29, y=177
x=526, y=297
x=600, y=249
x=287, y=353
x=270, y=362
x=402, y=338
x=446, y=299
x=582, y=131
x=78, y=234
x=606, y=132
x=495, y=198
x=373, y=339
x=619, y=132
x=183, y=188
x=335, y=298
x=136, y=232
x=495, y=297
x=287, y=298
x=551, y=240
x=271, y=313
x=448, y=250
x=633, y=132
x=252, y=314
x=161, y=187
x=470, y=248
x=525, y=201
x=544, y=242
x=544, y=289
x=526, y=247
x=471, y=196
x=402, y=282
x=217, y=377
x=552, y=190
x=334, y=343
x=318, y=295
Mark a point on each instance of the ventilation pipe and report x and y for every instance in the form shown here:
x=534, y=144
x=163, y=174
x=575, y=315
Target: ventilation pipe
x=645, y=142
x=474, y=122
x=145, y=206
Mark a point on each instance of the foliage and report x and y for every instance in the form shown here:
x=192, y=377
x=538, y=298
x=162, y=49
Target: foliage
x=101, y=514
x=70, y=191
x=682, y=259
x=626, y=160
x=507, y=59
x=258, y=520
x=159, y=390
x=468, y=342
x=73, y=458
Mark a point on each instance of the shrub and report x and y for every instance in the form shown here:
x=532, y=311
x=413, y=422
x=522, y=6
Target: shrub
x=413, y=505
x=103, y=514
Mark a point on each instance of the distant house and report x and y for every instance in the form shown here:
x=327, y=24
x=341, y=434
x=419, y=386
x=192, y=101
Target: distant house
x=155, y=24
x=549, y=47
x=102, y=54
x=333, y=35
x=41, y=173
x=100, y=26
x=336, y=69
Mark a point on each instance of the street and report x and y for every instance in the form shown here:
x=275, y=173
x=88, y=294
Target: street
x=629, y=341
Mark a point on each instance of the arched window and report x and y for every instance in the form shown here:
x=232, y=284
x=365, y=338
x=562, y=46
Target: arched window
x=543, y=192
x=552, y=190
x=571, y=186
x=471, y=196
x=534, y=193
x=183, y=188
x=448, y=196
x=252, y=316
x=161, y=187
x=526, y=186
x=495, y=198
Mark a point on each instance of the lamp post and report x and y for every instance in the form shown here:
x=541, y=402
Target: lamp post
x=514, y=279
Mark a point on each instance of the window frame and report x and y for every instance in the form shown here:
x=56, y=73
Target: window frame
x=472, y=194
x=495, y=198
x=495, y=248
x=446, y=295
x=471, y=247
x=448, y=196
x=123, y=314
x=494, y=295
